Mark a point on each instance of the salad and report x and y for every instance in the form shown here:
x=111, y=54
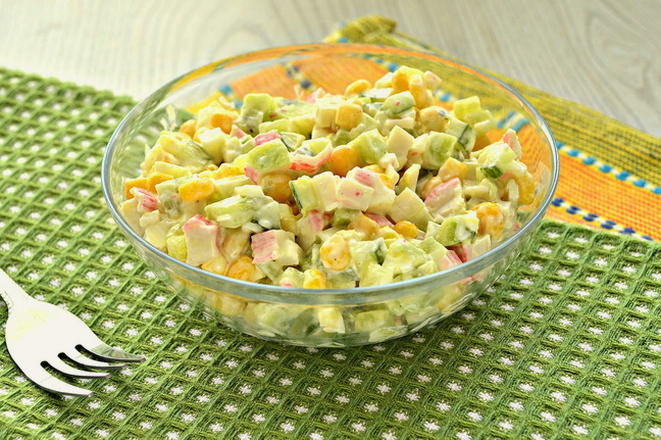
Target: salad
x=380, y=184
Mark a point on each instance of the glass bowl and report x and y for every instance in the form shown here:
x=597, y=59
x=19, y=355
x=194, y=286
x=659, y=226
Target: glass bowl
x=330, y=317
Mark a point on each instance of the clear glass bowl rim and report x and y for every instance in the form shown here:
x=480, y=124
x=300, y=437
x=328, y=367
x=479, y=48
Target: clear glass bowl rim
x=392, y=290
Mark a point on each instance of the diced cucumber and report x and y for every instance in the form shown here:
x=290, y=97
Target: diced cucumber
x=325, y=115
x=370, y=146
x=364, y=255
x=440, y=147
x=224, y=187
x=270, y=156
x=342, y=217
x=499, y=155
x=398, y=103
x=256, y=108
x=463, y=132
x=268, y=215
x=375, y=274
x=291, y=140
x=405, y=256
x=304, y=194
x=372, y=320
x=409, y=179
x=377, y=94
x=458, y=228
x=341, y=137
x=408, y=206
x=330, y=319
x=291, y=277
x=433, y=248
x=213, y=143
x=176, y=246
x=316, y=145
x=492, y=171
x=302, y=124
x=463, y=107
x=278, y=125
x=232, y=212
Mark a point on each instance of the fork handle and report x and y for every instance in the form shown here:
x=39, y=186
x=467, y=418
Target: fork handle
x=11, y=292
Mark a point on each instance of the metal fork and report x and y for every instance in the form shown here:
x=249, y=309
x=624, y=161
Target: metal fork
x=39, y=334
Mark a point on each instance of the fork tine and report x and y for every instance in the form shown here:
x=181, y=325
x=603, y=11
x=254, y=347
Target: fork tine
x=47, y=381
x=83, y=360
x=67, y=369
x=108, y=353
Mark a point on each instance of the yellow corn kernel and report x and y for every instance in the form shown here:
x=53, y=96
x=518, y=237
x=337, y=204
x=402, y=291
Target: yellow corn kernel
x=222, y=121
x=188, y=127
x=196, y=190
x=366, y=225
x=288, y=223
x=334, y=253
x=358, y=86
x=217, y=264
x=343, y=160
x=400, y=80
x=226, y=170
x=432, y=81
x=276, y=185
x=419, y=91
x=433, y=119
x=314, y=279
x=406, y=228
x=429, y=185
x=242, y=269
x=375, y=168
x=390, y=183
x=491, y=219
x=480, y=142
x=387, y=233
x=140, y=182
x=348, y=116
x=526, y=186
x=157, y=178
x=229, y=305
x=235, y=243
x=452, y=168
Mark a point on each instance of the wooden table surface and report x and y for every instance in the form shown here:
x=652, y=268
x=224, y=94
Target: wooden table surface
x=604, y=54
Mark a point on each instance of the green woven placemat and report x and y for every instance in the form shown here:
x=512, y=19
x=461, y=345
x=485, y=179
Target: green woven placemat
x=566, y=345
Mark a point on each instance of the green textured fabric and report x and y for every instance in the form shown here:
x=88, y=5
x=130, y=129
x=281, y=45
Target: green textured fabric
x=566, y=345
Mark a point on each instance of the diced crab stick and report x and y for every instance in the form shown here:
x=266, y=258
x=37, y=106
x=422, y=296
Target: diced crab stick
x=252, y=174
x=316, y=220
x=237, y=132
x=310, y=164
x=201, y=237
x=354, y=195
x=366, y=177
x=197, y=221
x=379, y=219
x=146, y=200
x=264, y=246
x=265, y=137
x=449, y=260
x=511, y=139
x=463, y=251
x=442, y=191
